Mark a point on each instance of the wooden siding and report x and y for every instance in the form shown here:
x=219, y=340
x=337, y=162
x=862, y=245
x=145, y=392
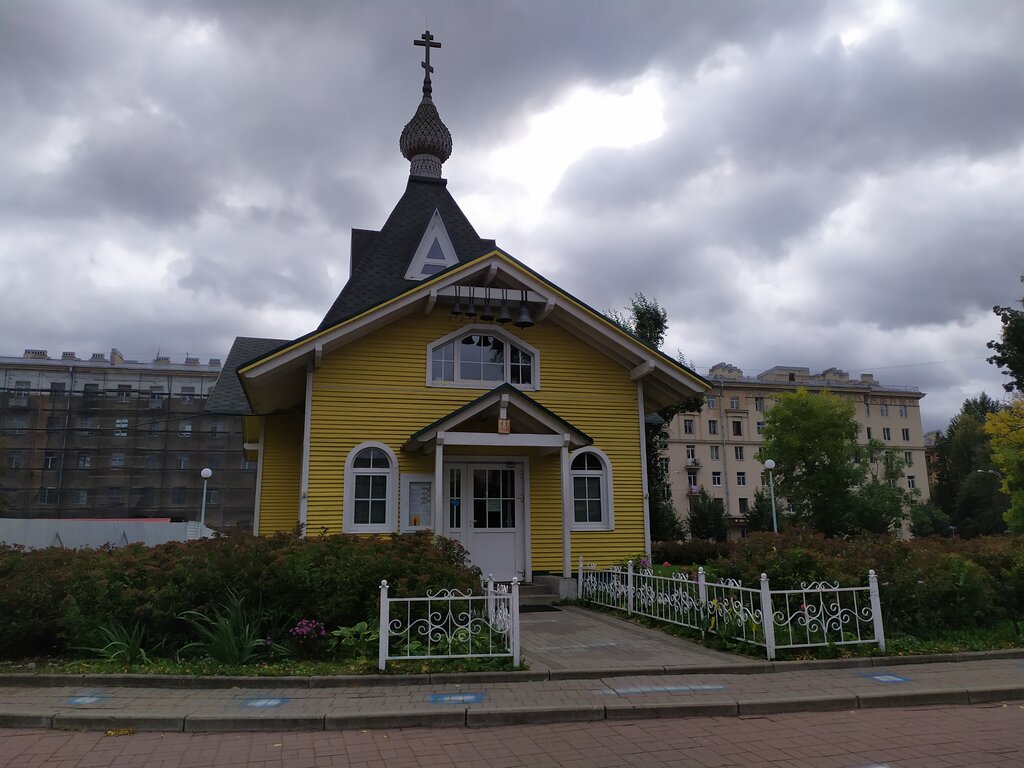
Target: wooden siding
x=374, y=389
x=282, y=468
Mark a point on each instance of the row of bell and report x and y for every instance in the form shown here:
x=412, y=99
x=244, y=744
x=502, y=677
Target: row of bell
x=487, y=314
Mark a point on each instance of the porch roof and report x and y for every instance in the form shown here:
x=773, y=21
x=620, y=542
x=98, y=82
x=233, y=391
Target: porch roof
x=532, y=424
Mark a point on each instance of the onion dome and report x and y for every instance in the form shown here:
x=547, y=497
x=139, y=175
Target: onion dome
x=426, y=142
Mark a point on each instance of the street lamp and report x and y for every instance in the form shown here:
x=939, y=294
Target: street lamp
x=206, y=474
x=989, y=472
x=770, y=465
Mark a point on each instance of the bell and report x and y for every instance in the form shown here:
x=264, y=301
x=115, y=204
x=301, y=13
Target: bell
x=524, y=320
x=457, y=306
x=470, y=311
x=488, y=312
x=504, y=316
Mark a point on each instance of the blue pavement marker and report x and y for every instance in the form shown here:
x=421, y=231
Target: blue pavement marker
x=455, y=698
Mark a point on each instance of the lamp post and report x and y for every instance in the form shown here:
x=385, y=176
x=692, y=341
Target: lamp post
x=206, y=474
x=989, y=472
x=770, y=465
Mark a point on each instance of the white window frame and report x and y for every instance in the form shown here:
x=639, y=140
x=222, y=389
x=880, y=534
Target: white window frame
x=741, y=478
x=738, y=452
x=687, y=426
x=120, y=427
x=908, y=458
x=348, y=502
x=607, y=522
x=479, y=329
x=734, y=403
x=886, y=433
x=760, y=427
x=712, y=426
x=903, y=411
x=691, y=452
x=711, y=402
x=911, y=482
x=905, y=434
x=883, y=410
x=715, y=454
x=716, y=479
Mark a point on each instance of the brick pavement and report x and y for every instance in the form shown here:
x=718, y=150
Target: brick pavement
x=399, y=703
x=923, y=737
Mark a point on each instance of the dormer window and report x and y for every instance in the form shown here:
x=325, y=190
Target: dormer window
x=434, y=253
x=482, y=357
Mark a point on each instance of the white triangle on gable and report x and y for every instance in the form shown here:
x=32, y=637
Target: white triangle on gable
x=434, y=253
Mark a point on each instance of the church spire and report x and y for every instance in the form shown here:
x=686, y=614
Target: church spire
x=426, y=142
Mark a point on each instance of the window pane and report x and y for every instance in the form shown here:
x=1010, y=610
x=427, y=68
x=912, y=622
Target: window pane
x=482, y=358
x=363, y=486
x=371, y=458
x=361, y=515
x=378, y=512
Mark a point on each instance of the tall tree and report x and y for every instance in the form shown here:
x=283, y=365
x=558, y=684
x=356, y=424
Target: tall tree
x=648, y=321
x=966, y=490
x=813, y=441
x=1006, y=430
x=707, y=518
x=1009, y=348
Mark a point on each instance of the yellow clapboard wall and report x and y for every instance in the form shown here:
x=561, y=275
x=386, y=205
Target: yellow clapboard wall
x=280, y=473
x=375, y=389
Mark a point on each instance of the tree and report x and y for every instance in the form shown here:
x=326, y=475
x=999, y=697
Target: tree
x=759, y=516
x=707, y=518
x=648, y=321
x=926, y=519
x=1009, y=349
x=813, y=441
x=965, y=489
x=1006, y=431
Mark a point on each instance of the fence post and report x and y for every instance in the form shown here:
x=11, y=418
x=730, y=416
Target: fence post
x=514, y=611
x=489, y=595
x=579, y=581
x=702, y=595
x=629, y=587
x=385, y=623
x=767, y=617
x=876, y=609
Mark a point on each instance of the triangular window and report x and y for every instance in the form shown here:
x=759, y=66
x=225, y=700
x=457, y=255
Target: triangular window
x=434, y=253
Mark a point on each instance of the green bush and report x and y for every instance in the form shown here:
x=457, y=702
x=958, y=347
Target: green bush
x=926, y=586
x=688, y=552
x=55, y=600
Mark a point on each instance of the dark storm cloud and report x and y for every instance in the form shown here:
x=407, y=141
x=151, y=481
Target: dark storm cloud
x=184, y=172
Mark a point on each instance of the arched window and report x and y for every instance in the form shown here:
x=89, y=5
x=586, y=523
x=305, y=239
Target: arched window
x=371, y=489
x=481, y=356
x=591, y=482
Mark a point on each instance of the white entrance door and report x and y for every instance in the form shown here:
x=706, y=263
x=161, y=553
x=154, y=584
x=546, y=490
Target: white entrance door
x=485, y=512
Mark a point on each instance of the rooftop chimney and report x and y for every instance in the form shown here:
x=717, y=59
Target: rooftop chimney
x=36, y=354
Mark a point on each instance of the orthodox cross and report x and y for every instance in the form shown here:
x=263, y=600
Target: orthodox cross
x=427, y=41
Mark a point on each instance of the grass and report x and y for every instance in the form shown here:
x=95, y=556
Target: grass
x=273, y=668
x=1004, y=635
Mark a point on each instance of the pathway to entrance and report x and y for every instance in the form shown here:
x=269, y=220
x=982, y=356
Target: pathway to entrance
x=577, y=639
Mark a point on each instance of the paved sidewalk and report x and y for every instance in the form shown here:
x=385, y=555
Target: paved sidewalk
x=811, y=688
x=584, y=666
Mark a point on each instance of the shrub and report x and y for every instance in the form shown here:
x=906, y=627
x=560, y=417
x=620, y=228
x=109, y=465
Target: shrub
x=689, y=552
x=55, y=600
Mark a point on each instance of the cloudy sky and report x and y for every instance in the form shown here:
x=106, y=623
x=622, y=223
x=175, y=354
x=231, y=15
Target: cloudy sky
x=801, y=183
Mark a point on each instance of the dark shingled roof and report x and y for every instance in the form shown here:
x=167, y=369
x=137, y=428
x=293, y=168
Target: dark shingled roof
x=228, y=397
x=380, y=259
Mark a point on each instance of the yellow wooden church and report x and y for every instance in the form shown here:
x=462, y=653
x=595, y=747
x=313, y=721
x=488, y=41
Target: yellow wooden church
x=451, y=388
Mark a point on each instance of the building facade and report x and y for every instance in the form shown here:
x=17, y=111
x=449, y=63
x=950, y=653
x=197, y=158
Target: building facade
x=450, y=388
x=717, y=448
x=114, y=438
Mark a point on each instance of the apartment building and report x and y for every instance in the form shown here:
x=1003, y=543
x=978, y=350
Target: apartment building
x=716, y=449
x=105, y=437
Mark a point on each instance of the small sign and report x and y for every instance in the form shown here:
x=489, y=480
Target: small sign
x=456, y=698
x=504, y=426
x=267, y=703
x=887, y=679
x=79, y=701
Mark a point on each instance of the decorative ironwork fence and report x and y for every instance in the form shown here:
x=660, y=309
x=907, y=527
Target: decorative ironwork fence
x=817, y=614
x=450, y=624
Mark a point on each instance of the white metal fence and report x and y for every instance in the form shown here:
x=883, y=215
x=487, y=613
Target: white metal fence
x=450, y=624
x=817, y=614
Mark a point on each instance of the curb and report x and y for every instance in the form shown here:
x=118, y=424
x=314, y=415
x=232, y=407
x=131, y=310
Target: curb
x=29, y=679
x=525, y=715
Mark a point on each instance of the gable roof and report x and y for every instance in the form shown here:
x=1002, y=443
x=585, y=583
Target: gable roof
x=544, y=417
x=227, y=396
x=380, y=259
x=665, y=380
